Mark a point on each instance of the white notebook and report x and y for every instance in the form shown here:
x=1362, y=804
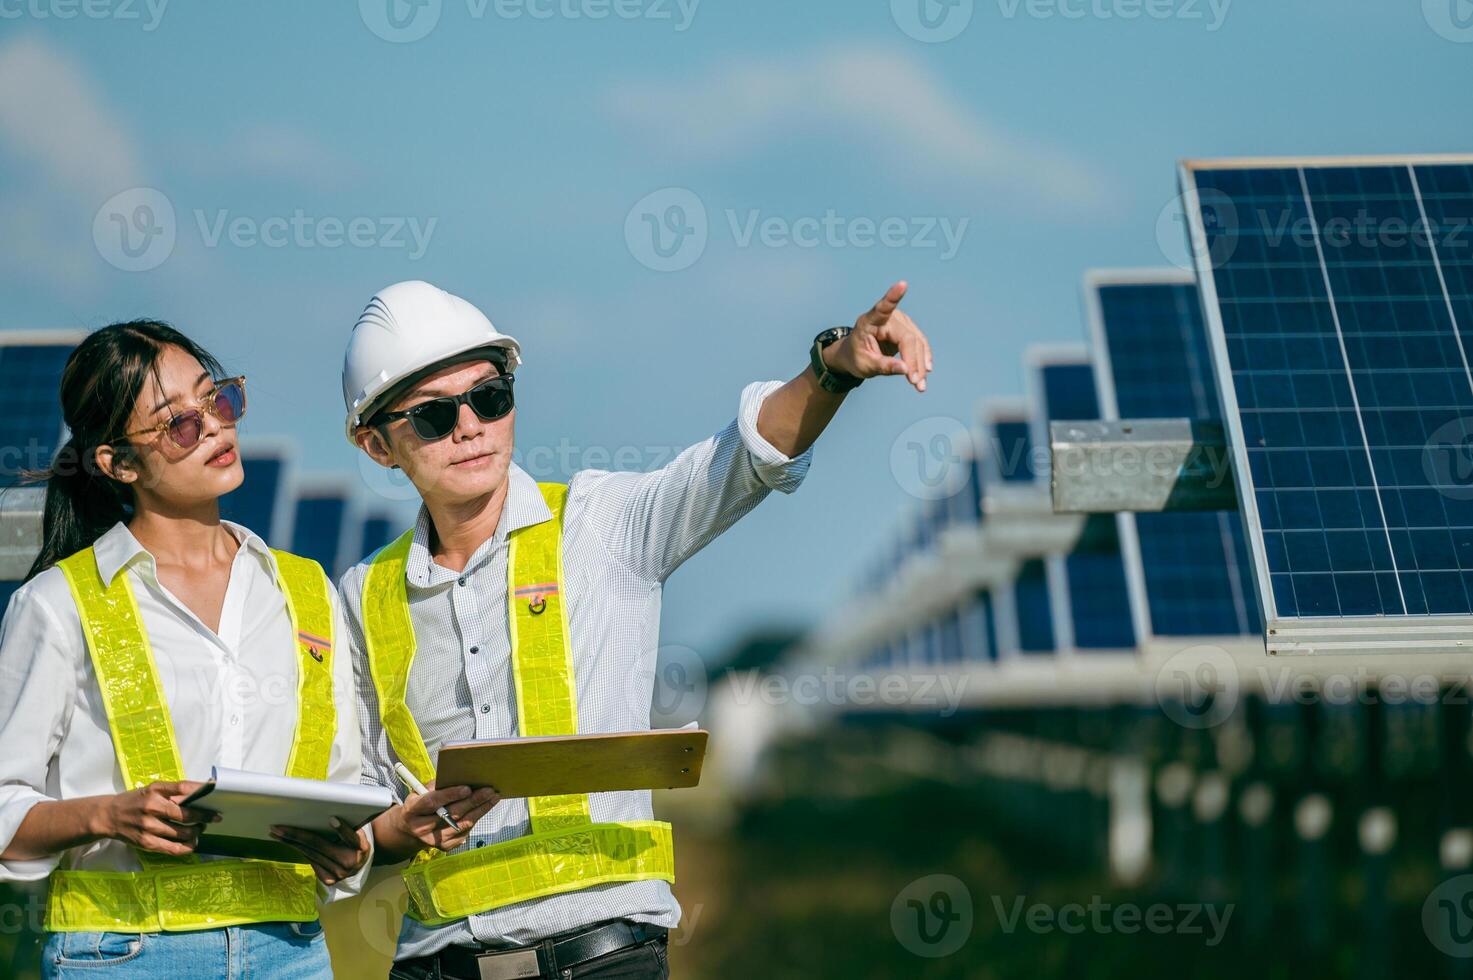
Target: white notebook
x=251, y=803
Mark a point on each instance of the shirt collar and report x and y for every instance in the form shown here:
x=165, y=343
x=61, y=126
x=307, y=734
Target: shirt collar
x=524, y=506
x=118, y=548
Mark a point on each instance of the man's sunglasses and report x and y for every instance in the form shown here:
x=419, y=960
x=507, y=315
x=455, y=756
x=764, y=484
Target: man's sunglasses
x=226, y=401
x=436, y=418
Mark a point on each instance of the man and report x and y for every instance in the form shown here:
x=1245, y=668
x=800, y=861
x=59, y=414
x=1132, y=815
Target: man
x=518, y=609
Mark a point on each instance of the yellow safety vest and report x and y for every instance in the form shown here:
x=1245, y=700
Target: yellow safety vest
x=184, y=894
x=566, y=851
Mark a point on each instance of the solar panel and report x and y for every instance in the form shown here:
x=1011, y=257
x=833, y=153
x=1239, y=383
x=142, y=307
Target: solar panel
x=1188, y=572
x=1338, y=296
x=260, y=502
x=320, y=525
x=1091, y=602
x=1031, y=609
x=979, y=628
x=31, y=428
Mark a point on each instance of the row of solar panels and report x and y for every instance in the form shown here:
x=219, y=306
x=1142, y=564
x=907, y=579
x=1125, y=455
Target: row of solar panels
x=1328, y=327
x=313, y=515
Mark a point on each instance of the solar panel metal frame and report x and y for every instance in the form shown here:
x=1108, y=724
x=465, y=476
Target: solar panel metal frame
x=1094, y=281
x=1304, y=634
x=1004, y=598
x=1036, y=358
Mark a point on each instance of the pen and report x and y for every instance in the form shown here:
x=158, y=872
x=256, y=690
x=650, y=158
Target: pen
x=418, y=787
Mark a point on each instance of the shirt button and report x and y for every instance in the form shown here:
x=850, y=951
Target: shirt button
x=485, y=709
x=460, y=581
x=475, y=649
x=235, y=719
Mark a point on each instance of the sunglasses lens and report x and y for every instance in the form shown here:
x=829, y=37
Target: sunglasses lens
x=491, y=400
x=185, y=429
x=230, y=402
x=434, y=419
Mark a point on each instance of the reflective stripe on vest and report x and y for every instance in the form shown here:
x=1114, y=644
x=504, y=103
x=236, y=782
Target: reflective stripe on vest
x=183, y=894
x=566, y=851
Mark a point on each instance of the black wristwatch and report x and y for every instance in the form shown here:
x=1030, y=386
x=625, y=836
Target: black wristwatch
x=835, y=381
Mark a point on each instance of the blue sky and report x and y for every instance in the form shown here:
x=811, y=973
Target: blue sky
x=512, y=159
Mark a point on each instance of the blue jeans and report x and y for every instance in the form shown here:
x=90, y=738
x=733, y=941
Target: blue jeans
x=285, y=950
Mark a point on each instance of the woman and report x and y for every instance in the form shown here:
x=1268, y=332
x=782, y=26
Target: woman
x=151, y=641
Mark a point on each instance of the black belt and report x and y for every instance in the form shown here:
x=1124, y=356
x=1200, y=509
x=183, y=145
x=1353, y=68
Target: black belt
x=545, y=959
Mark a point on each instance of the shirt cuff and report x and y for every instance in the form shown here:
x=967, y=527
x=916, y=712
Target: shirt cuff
x=779, y=472
x=15, y=803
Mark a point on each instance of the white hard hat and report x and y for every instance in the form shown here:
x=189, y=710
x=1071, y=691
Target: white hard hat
x=406, y=328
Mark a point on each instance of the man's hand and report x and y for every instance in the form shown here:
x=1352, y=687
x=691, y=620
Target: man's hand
x=878, y=336
x=333, y=858
x=404, y=830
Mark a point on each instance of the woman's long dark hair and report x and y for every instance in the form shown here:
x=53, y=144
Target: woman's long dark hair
x=100, y=385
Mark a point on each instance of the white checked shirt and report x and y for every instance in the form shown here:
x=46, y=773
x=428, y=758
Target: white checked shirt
x=623, y=534
x=232, y=695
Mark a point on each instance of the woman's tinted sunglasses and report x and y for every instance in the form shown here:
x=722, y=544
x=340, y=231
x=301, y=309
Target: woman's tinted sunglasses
x=226, y=401
x=436, y=418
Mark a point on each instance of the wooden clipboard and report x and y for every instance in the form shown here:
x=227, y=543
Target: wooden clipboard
x=558, y=764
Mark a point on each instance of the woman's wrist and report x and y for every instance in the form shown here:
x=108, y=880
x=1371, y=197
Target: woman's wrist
x=98, y=820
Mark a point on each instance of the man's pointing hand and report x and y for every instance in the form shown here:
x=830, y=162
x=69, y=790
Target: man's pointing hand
x=884, y=341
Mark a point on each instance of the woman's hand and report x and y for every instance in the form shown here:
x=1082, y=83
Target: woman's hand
x=333, y=858
x=404, y=830
x=151, y=818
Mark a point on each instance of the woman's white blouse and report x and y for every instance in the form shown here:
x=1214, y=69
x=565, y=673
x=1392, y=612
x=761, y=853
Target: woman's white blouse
x=232, y=695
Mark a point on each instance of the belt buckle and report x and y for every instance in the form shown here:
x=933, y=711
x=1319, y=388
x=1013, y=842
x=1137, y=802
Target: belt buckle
x=513, y=964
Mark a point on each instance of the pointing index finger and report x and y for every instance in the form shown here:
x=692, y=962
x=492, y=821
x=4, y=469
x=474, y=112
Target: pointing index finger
x=888, y=303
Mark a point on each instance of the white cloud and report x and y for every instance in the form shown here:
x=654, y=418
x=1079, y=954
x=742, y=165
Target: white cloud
x=877, y=102
x=51, y=117
x=283, y=152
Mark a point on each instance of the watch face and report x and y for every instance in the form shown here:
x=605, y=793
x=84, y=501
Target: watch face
x=830, y=335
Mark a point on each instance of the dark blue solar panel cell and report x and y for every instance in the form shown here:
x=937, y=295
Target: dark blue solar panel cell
x=984, y=620
x=253, y=503
x=1198, y=577
x=30, y=408
x=1344, y=295
x=1012, y=449
x=1069, y=392
x=1099, y=600
x=318, y=532
x=1035, y=614
x=950, y=639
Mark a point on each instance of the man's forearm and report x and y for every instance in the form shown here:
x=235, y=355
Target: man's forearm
x=793, y=416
